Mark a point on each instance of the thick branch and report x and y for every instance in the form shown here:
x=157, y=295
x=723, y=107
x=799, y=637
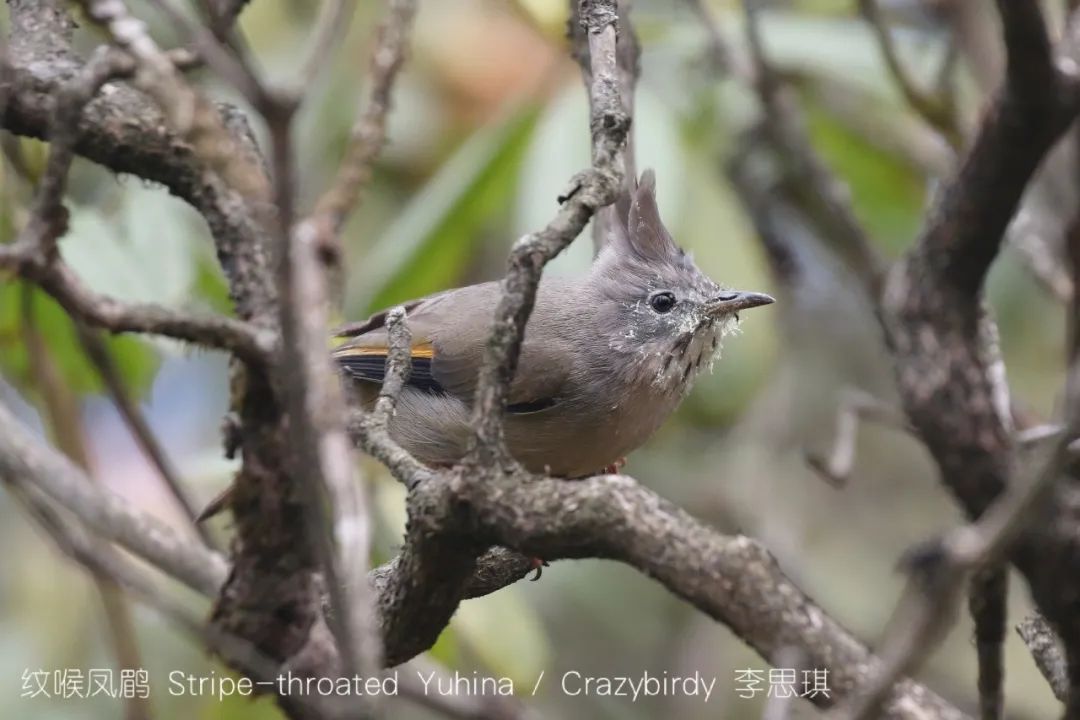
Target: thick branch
x=1045, y=651
x=968, y=219
x=949, y=368
x=124, y=132
x=23, y=459
x=732, y=579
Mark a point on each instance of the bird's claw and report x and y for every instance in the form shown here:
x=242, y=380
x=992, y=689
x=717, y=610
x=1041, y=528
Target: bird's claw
x=538, y=564
x=615, y=468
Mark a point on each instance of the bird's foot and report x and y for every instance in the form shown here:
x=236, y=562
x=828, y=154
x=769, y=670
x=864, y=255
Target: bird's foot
x=615, y=467
x=538, y=564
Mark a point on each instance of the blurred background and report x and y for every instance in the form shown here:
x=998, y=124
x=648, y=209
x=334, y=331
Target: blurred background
x=489, y=121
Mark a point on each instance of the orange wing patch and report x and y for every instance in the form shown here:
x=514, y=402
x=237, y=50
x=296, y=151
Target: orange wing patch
x=423, y=350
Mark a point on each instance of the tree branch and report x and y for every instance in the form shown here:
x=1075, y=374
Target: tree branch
x=187, y=111
x=55, y=277
x=455, y=516
x=628, y=64
x=368, y=134
x=1045, y=650
x=34, y=254
x=97, y=352
x=940, y=572
x=935, y=109
x=988, y=605
x=935, y=321
x=1036, y=104
x=818, y=191
x=124, y=133
x=732, y=579
x=589, y=190
x=23, y=460
x=944, y=345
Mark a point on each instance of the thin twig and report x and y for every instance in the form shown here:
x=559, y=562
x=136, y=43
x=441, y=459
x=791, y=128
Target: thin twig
x=824, y=198
x=941, y=570
x=331, y=27
x=371, y=430
x=398, y=364
x=55, y=277
x=209, y=47
x=191, y=114
x=933, y=109
x=98, y=354
x=48, y=207
x=368, y=134
x=855, y=405
x=589, y=191
x=628, y=64
x=720, y=51
x=62, y=412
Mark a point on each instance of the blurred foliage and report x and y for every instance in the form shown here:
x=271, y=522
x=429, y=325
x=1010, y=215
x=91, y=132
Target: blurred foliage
x=432, y=241
x=887, y=195
x=134, y=359
x=489, y=122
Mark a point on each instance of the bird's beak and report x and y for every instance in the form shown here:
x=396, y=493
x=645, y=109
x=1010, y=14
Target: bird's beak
x=732, y=301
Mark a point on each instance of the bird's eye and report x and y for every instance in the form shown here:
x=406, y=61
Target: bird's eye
x=662, y=302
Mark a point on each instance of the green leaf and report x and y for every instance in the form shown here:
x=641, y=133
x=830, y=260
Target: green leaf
x=144, y=250
x=887, y=194
x=135, y=360
x=445, y=651
x=209, y=285
x=138, y=247
x=436, y=233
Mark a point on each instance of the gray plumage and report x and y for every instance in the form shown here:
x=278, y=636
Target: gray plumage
x=606, y=358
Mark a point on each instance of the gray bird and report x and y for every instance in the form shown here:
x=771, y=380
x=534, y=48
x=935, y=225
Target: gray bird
x=605, y=360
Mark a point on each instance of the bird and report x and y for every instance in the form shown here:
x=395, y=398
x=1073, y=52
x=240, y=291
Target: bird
x=606, y=357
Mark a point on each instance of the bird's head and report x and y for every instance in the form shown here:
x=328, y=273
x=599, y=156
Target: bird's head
x=656, y=304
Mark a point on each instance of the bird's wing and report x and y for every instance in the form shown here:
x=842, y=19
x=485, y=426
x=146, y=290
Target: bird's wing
x=449, y=331
x=364, y=356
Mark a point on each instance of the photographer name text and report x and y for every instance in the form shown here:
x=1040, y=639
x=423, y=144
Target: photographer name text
x=74, y=683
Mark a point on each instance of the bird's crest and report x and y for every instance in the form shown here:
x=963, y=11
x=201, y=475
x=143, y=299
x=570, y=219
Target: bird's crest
x=635, y=225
